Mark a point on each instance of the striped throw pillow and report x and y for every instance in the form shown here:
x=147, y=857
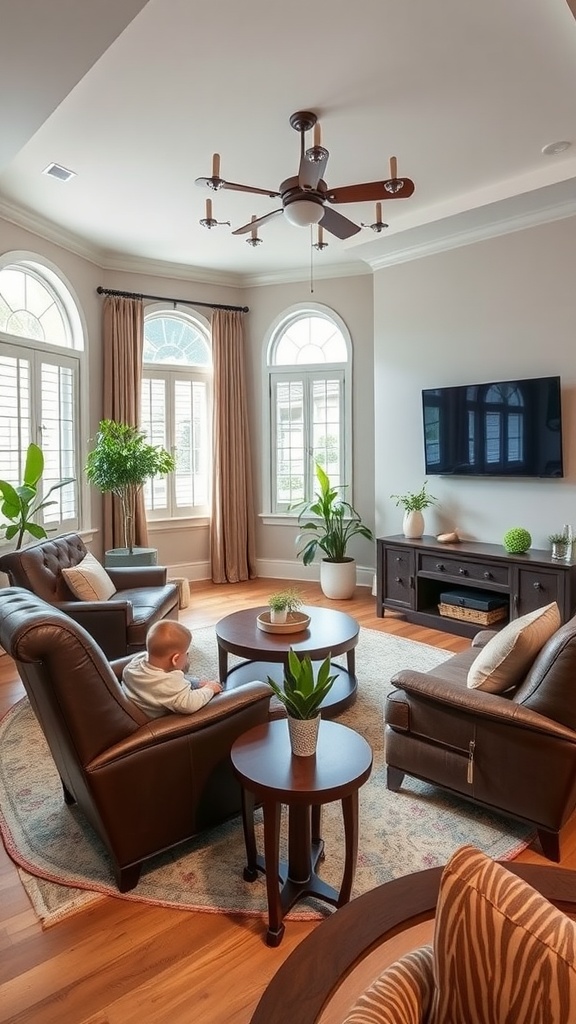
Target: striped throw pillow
x=402, y=994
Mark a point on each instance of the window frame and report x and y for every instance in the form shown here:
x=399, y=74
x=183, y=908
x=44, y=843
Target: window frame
x=170, y=373
x=71, y=356
x=320, y=371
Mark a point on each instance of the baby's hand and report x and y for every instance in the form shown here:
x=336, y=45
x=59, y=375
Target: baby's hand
x=212, y=685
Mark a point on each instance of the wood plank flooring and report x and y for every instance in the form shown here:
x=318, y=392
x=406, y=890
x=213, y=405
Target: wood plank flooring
x=126, y=963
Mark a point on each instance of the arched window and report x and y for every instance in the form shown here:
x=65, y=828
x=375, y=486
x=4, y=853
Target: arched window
x=177, y=410
x=41, y=350
x=309, y=370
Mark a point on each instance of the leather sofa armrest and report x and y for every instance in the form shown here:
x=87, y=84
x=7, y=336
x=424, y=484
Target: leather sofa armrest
x=130, y=577
x=114, y=611
x=483, y=637
x=170, y=726
x=119, y=664
x=477, y=703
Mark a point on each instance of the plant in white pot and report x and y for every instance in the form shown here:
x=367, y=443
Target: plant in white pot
x=302, y=694
x=283, y=604
x=121, y=462
x=334, y=525
x=414, y=503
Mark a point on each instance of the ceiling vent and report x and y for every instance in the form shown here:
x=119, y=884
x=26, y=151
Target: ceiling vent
x=57, y=171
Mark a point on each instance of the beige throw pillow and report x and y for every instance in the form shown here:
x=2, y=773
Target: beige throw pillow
x=89, y=580
x=506, y=658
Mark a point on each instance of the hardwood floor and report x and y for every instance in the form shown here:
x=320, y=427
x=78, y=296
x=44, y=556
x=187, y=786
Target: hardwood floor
x=127, y=963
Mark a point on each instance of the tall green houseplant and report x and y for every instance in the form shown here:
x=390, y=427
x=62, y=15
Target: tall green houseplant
x=336, y=522
x=121, y=462
x=20, y=505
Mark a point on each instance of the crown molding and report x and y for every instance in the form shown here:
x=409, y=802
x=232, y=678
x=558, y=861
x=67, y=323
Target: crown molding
x=50, y=232
x=444, y=242
x=174, y=271
x=295, y=275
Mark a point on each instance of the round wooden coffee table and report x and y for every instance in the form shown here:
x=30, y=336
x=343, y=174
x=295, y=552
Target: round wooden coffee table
x=330, y=633
x=271, y=775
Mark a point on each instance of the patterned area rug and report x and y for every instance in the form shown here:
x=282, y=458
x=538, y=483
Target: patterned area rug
x=66, y=867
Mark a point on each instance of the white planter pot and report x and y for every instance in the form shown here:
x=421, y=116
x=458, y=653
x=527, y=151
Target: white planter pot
x=278, y=614
x=338, y=579
x=413, y=525
x=303, y=735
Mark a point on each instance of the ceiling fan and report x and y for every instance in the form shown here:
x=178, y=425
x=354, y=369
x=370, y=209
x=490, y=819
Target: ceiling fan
x=305, y=196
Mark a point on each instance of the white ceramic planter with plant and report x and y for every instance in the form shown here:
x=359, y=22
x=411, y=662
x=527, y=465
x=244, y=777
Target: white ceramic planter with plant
x=302, y=693
x=283, y=603
x=334, y=525
x=414, y=503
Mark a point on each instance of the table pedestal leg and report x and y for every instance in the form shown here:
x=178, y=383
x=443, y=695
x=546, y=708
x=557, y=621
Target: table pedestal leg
x=272, y=812
x=251, y=869
x=350, y=815
x=222, y=665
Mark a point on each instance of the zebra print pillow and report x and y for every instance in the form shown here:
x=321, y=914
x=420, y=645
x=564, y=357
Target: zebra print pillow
x=402, y=994
x=502, y=952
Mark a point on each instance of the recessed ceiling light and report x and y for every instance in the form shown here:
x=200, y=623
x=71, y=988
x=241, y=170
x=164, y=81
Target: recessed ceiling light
x=555, y=147
x=57, y=171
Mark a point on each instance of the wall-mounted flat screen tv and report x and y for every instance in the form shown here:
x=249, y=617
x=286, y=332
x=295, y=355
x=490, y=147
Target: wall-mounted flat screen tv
x=504, y=428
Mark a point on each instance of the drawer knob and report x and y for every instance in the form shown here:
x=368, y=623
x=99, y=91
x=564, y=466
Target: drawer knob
x=439, y=566
x=397, y=579
x=537, y=586
x=487, y=575
x=463, y=572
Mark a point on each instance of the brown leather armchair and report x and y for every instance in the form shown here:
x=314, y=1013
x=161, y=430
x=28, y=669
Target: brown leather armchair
x=119, y=625
x=514, y=753
x=144, y=785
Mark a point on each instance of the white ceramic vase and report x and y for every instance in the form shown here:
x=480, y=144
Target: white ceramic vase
x=413, y=525
x=338, y=579
x=303, y=735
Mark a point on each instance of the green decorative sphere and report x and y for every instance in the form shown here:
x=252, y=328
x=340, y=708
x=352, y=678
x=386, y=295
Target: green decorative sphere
x=517, y=540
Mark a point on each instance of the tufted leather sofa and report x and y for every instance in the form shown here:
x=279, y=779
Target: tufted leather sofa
x=144, y=785
x=119, y=625
x=513, y=752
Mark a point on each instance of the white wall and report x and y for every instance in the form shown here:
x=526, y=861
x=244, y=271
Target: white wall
x=496, y=309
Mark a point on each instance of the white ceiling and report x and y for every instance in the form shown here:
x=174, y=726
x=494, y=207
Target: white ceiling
x=135, y=97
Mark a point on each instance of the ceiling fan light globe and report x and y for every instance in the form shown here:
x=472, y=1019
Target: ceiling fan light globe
x=303, y=212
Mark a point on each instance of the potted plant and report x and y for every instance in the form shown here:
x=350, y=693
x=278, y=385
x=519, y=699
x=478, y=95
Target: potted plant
x=336, y=522
x=302, y=695
x=414, y=503
x=561, y=546
x=20, y=505
x=283, y=603
x=121, y=462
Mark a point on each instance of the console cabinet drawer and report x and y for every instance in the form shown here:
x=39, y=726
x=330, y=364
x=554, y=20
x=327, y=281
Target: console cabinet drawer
x=537, y=588
x=464, y=569
x=398, y=574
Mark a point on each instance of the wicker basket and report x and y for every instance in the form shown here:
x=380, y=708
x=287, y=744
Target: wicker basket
x=474, y=615
x=183, y=590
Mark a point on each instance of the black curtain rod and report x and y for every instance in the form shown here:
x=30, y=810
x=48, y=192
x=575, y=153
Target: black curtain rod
x=164, y=298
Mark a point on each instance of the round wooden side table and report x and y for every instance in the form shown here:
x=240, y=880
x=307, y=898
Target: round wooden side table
x=271, y=775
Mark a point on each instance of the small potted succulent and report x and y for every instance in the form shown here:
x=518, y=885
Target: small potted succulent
x=283, y=603
x=414, y=503
x=302, y=694
x=561, y=546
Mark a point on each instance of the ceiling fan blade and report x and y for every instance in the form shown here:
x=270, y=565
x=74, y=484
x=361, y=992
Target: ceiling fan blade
x=369, y=192
x=256, y=223
x=311, y=172
x=338, y=225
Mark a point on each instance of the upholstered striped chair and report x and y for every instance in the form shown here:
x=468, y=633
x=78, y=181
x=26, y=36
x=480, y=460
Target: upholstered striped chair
x=500, y=952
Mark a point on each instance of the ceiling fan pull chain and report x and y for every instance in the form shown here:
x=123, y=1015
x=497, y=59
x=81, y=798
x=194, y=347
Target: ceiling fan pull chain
x=311, y=264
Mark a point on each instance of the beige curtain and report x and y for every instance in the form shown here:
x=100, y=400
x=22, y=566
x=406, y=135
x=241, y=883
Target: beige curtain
x=123, y=337
x=232, y=527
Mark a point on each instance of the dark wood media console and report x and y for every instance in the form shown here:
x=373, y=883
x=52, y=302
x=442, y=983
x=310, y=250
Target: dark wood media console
x=411, y=575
